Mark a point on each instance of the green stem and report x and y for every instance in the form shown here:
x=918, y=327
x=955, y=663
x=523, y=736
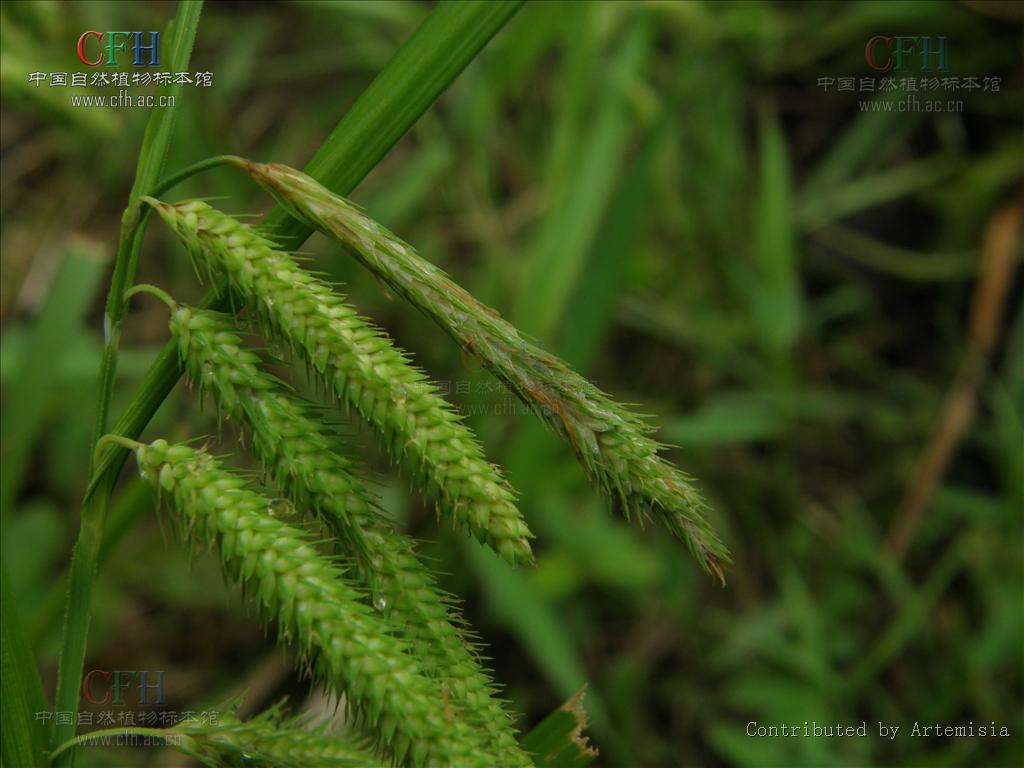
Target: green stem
x=121, y=440
x=188, y=172
x=415, y=77
x=160, y=293
x=84, y=559
x=155, y=143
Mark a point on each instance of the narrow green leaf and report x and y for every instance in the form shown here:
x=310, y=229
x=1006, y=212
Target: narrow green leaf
x=20, y=56
x=134, y=502
x=402, y=196
x=53, y=331
x=593, y=302
x=776, y=291
x=21, y=691
x=29, y=567
x=418, y=74
x=856, y=148
x=157, y=140
x=908, y=618
x=558, y=741
x=517, y=604
x=572, y=223
x=753, y=415
x=874, y=189
x=904, y=263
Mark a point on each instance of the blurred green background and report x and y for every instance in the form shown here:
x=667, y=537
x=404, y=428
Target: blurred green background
x=820, y=305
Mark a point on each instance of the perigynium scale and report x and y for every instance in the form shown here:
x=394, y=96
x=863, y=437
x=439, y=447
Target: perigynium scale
x=363, y=368
x=308, y=595
x=300, y=452
x=612, y=444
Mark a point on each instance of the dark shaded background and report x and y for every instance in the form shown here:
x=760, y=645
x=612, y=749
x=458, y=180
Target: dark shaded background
x=820, y=306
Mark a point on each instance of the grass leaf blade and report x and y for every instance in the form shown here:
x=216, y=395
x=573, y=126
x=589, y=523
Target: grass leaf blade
x=558, y=741
x=416, y=76
x=21, y=691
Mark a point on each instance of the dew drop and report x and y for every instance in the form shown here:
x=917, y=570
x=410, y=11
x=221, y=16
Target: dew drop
x=280, y=508
x=379, y=602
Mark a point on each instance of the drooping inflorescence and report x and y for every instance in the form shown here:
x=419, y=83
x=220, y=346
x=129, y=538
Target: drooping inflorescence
x=299, y=451
x=612, y=444
x=363, y=368
x=308, y=596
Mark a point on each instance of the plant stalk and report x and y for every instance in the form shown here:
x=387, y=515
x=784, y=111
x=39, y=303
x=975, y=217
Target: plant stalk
x=85, y=557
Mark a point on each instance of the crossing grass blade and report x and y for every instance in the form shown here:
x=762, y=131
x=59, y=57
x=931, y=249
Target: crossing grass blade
x=21, y=690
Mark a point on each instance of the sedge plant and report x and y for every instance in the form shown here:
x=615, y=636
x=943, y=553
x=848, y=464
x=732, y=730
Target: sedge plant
x=340, y=583
x=418, y=692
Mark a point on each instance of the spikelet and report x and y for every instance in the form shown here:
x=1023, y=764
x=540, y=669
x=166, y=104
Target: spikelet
x=307, y=594
x=611, y=443
x=269, y=739
x=299, y=451
x=364, y=369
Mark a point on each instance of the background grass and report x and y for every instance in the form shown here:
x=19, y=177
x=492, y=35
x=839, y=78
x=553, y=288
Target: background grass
x=662, y=195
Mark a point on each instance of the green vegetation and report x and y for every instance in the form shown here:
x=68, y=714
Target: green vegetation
x=816, y=296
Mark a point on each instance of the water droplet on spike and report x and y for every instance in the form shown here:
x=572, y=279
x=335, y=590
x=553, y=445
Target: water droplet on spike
x=280, y=508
